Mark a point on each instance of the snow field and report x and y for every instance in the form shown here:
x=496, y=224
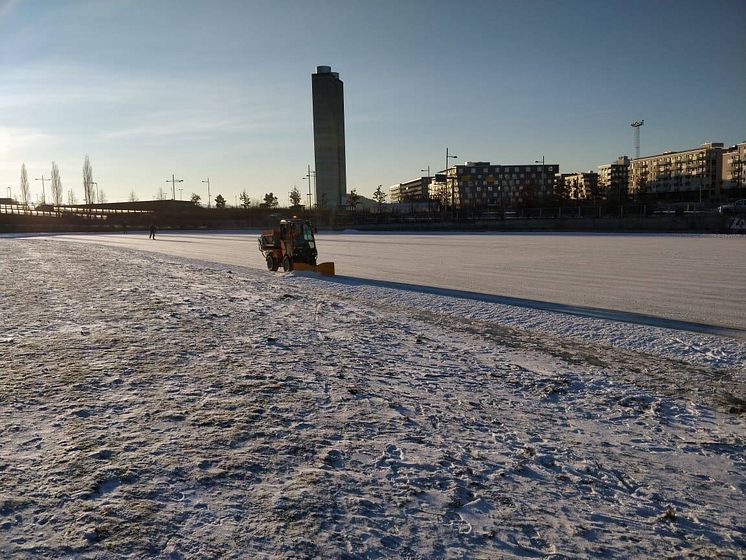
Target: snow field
x=152, y=405
x=675, y=277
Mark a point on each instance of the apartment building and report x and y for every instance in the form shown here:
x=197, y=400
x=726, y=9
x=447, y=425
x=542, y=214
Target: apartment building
x=580, y=186
x=613, y=180
x=394, y=193
x=480, y=184
x=733, y=171
x=415, y=190
x=684, y=175
x=561, y=193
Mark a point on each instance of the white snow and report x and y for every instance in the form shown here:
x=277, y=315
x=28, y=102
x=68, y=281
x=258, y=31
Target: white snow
x=675, y=277
x=157, y=405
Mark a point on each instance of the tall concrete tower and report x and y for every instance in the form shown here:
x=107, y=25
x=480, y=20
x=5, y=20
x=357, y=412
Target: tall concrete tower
x=329, y=137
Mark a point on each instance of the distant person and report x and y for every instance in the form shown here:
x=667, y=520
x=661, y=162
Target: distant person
x=152, y=232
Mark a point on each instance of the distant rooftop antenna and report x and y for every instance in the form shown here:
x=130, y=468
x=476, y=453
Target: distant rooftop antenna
x=636, y=125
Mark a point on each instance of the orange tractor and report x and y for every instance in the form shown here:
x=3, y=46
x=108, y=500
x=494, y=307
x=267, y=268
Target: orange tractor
x=292, y=245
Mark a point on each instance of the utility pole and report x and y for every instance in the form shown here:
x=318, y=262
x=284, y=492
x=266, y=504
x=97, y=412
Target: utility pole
x=180, y=191
x=208, y=191
x=43, y=190
x=636, y=125
x=173, y=182
x=428, y=170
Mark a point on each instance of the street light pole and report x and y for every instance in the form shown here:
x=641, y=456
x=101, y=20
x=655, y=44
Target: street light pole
x=208, y=191
x=43, y=190
x=502, y=205
x=428, y=170
x=542, y=171
x=173, y=182
x=308, y=176
x=453, y=183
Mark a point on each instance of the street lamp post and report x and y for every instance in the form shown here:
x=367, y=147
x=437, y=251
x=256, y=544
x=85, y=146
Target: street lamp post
x=502, y=206
x=43, y=190
x=308, y=176
x=173, y=182
x=453, y=183
x=208, y=191
x=542, y=173
x=98, y=193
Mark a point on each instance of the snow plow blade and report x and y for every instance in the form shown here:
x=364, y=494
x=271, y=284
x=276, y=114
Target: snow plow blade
x=325, y=269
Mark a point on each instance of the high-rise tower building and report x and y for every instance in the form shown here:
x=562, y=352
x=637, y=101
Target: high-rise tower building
x=329, y=137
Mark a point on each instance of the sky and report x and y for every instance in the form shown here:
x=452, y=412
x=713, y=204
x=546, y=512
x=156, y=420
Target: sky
x=222, y=89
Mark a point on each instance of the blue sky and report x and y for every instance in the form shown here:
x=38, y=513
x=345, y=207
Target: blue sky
x=223, y=89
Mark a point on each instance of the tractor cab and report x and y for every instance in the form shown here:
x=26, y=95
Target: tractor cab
x=292, y=241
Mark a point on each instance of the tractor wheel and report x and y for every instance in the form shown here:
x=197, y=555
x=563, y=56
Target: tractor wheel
x=287, y=264
x=272, y=264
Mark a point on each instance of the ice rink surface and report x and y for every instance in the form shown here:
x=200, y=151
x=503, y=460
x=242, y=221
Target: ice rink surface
x=698, y=279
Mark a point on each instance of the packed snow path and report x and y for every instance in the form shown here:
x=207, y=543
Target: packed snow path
x=156, y=406
x=687, y=278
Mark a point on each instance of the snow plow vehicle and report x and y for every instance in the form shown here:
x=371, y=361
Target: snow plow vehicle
x=292, y=245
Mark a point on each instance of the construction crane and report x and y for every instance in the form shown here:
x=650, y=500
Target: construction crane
x=636, y=125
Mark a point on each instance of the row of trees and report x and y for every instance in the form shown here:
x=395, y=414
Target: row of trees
x=91, y=193
x=353, y=198
x=270, y=201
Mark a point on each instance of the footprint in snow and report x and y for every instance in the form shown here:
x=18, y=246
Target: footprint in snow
x=334, y=458
x=391, y=455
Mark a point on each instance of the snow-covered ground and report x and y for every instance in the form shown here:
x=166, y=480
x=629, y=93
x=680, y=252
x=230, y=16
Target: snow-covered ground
x=156, y=405
x=650, y=278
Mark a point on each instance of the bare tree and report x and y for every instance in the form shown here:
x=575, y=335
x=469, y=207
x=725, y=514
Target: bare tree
x=380, y=197
x=162, y=194
x=88, y=190
x=245, y=200
x=101, y=196
x=71, y=198
x=25, y=193
x=56, y=185
x=132, y=197
x=295, y=197
x=270, y=201
x=353, y=199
